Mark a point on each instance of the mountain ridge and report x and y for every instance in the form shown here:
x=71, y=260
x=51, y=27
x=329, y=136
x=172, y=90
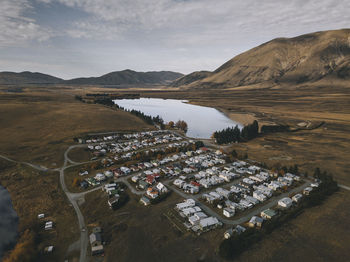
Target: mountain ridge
x=124, y=77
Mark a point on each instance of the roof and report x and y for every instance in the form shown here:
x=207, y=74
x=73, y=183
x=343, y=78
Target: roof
x=256, y=219
x=97, y=230
x=97, y=248
x=285, y=200
x=95, y=237
x=145, y=199
x=209, y=221
x=269, y=212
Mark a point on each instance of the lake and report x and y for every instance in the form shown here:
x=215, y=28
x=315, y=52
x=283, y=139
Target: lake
x=8, y=222
x=202, y=121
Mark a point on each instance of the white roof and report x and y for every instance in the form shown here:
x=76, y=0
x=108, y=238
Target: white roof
x=209, y=221
x=286, y=201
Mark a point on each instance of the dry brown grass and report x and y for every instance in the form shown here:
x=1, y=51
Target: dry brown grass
x=138, y=233
x=38, y=126
x=32, y=193
x=320, y=233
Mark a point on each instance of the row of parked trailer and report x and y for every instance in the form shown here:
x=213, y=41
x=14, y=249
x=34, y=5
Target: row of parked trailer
x=249, y=192
x=195, y=218
x=120, y=136
x=133, y=145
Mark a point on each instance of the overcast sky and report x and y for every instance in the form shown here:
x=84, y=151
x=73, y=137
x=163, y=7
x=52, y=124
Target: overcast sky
x=73, y=38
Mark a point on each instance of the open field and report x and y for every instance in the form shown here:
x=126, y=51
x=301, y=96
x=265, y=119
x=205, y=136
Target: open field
x=38, y=125
x=138, y=233
x=318, y=234
x=33, y=192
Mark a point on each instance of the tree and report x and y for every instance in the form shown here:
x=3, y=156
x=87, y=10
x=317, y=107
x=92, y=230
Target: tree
x=76, y=182
x=171, y=124
x=182, y=125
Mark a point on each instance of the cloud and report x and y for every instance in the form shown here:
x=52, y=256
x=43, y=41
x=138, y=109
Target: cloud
x=200, y=21
x=15, y=27
x=181, y=35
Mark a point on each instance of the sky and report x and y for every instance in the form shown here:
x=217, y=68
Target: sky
x=75, y=38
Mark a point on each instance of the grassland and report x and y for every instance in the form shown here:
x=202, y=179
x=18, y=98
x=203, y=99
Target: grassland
x=138, y=233
x=38, y=125
x=33, y=193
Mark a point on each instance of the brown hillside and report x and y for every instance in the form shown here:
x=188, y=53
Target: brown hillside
x=297, y=60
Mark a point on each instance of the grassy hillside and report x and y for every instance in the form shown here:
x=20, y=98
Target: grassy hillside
x=306, y=58
x=12, y=78
x=128, y=77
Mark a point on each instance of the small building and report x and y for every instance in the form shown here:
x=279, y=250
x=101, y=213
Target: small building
x=48, y=249
x=135, y=179
x=307, y=191
x=239, y=229
x=48, y=225
x=297, y=198
x=228, y=212
x=100, y=177
x=97, y=250
x=268, y=213
x=143, y=184
x=285, y=202
x=95, y=239
x=161, y=188
x=152, y=193
x=97, y=230
x=144, y=200
x=113, y=201
x=228, y=233
x=208, y=223
x=186, y=204
x=255, y=221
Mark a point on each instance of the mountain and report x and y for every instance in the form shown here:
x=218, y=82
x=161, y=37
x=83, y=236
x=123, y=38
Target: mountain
x=187, y=79
x=11, y=78
x=301, y=59
x=128, y=77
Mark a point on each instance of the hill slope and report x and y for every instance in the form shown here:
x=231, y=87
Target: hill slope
x=192, y=77
x=11, y=78
x=128, y=77
x=296, y=60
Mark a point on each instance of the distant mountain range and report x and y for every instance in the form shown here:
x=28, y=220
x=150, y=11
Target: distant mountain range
x=128, y=77
x=125, y=77
x=306, y=58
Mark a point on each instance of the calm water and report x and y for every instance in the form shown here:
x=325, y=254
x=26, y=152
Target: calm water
x=202, y=121
x=8, y=221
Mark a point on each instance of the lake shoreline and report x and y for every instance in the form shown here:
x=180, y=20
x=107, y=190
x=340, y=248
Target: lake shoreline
x=202, y=121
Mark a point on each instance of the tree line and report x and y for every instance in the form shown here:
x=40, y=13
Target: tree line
x=157, y=120
x=234, y=134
